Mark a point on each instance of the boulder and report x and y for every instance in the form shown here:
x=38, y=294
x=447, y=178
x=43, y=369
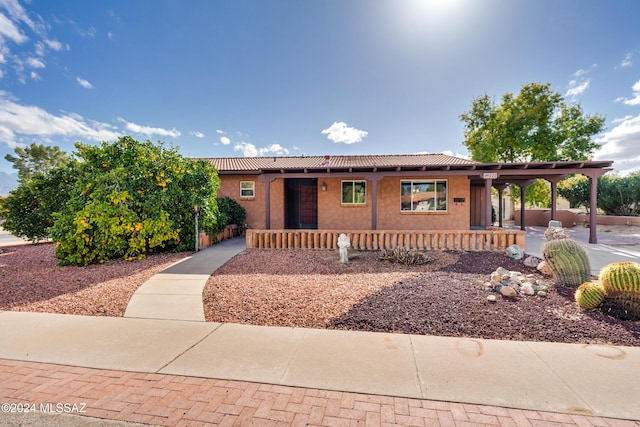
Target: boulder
x=531, y=261
x=515, y=252
x=544, y=268
x=555, y=233
x=508, y=292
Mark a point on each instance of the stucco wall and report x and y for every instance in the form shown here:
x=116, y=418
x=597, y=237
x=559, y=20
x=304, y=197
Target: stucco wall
x=230, y=187
x=333, y=215
x=390, y=217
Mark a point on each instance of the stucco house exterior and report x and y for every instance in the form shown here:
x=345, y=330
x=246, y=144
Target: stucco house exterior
x=379, y=192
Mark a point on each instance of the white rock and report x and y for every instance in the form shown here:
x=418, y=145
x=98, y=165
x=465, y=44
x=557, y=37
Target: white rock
x=491, y=298
x=531, y=261
x=515, y=252
x=527, y=289
x=544, y=268
x=542, y=293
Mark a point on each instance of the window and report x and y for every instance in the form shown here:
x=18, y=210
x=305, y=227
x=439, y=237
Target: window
x=423, y=196
x=354, y=192
x=247, y=188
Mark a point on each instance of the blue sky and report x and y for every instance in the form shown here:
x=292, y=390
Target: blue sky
x=284, y=77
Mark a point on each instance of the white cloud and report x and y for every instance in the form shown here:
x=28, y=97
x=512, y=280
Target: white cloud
x=221, y=132
x=32, y=121
x=149, y=131
x=580, y=83
x=55, y=45
x=250, y=150
x=35, y=76
x=636, y=95
x=340, y=132
x=84, y=83
x=627, y=60
x=35, y=62
x=620, y=144
x=196, y=134
x=225, y=140
x=577, y=88
x=9, y=30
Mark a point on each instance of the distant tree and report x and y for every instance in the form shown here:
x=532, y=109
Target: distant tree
x=28, y=211
x=131, y=198
x=537, y=125
x=36, y=158
x=576, y=190
x=619, y=195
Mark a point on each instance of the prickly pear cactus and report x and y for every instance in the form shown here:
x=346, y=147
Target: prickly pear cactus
x=568, y=262
x=590, y=295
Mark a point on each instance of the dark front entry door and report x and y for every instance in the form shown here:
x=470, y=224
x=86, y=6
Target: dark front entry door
x=301, y=203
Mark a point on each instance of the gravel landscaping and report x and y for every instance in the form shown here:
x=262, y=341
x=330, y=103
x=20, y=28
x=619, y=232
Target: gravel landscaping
x=311, y=288
x=32, y=280
x=447, y=297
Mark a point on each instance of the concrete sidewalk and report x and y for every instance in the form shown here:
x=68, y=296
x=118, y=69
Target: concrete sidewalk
x=567, y=378
x=176, y=293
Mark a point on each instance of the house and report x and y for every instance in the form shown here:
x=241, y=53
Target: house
x=380, y=192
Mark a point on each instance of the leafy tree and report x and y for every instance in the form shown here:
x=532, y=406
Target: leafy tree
x=619, y=195
x=36, y=159
x=28, y=210
x=576, y=190
x=131, y=198
x=537, y=125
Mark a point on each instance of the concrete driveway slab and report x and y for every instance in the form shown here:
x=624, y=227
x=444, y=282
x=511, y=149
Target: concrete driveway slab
x=97, y=342
x=501, y=373
x=240, y=352
x=363, y=362
x=595, y=373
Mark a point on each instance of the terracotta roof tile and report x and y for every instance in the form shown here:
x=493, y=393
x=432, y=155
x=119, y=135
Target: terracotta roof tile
x=256, y=164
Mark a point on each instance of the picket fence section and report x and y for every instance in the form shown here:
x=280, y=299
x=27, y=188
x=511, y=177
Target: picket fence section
x=461, y=240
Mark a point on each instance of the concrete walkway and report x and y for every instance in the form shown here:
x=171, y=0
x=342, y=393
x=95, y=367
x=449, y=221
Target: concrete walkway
x=610, y=247
x=567, y=378
x=176, y=293
x=163, y=335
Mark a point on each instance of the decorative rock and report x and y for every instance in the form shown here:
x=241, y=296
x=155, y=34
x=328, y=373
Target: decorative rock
x=542, y=293
x=515, y=252
x=508, y=292
x=343, y=245
x=555, y=233
x=491, y=298
x=544, y=268
x=554, y=224
x=527, y=289
x=531, y=261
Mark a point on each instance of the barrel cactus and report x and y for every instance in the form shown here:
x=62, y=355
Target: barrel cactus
x=568, y=262
x=622, y=277
x=590, y=295
x=621, y=282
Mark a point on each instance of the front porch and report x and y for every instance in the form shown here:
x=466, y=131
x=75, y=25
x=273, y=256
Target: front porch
x=461, y=240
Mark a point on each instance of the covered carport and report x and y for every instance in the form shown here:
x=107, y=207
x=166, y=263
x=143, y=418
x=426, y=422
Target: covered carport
x=501, y=175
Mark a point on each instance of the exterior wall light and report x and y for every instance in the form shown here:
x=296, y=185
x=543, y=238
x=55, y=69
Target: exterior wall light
x=324, y=186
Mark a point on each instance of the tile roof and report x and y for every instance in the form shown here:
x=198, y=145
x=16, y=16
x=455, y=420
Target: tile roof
x=398, y=161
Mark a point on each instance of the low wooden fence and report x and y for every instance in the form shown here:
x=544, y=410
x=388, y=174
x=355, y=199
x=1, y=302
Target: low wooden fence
x=462, y=240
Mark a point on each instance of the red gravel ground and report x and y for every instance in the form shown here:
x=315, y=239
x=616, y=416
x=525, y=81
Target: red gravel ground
x=447, y=297
x=32, y=280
